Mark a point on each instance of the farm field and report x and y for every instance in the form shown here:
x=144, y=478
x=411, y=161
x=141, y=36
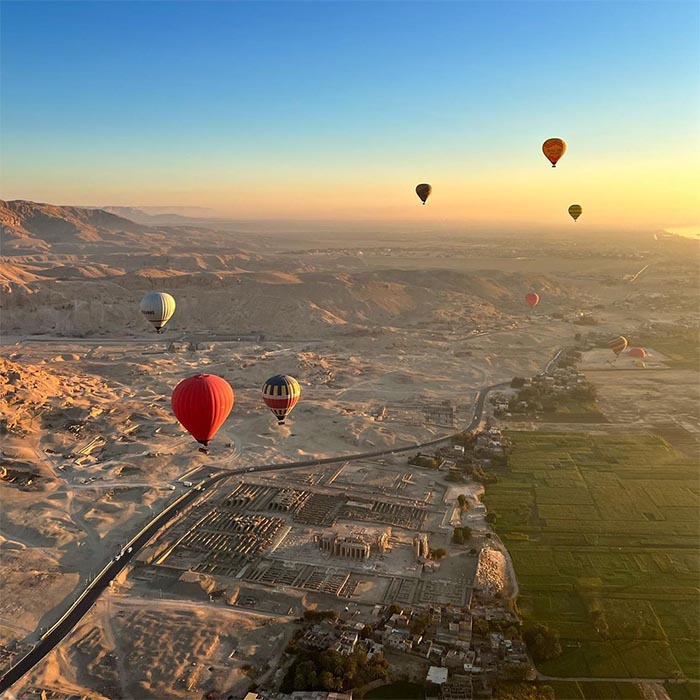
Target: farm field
x=681, y=347
x=603, y=532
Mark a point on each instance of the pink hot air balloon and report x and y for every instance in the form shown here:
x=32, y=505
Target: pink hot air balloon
x=637, y=353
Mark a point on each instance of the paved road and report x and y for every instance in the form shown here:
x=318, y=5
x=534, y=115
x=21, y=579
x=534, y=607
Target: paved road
x=88, y=598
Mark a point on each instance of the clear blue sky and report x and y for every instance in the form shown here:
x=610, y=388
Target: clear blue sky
x=152, y=102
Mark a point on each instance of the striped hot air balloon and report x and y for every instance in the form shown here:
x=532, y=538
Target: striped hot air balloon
x=202, y=403
x=158, y=308
x=617, y=344
x=281, y=394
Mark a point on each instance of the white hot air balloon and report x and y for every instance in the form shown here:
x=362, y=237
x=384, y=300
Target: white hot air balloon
x=158, y=308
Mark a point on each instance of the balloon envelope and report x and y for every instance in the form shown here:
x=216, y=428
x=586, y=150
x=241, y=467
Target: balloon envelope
x=202, y=403
x=575, y=210
x=554, y=149
x=639, y=353
x=281, y=394
x=617, y=344
x=158, y=308
x=423, y=191
x=532, y=299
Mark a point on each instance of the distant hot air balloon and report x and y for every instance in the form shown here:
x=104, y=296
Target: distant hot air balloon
x=532, y=299
x=554, y=149
x=575, y=210
x=202, y=403
x=423, y=191
x=281, y=394
x=617, y=344
x=158, y=308
x=637, y=353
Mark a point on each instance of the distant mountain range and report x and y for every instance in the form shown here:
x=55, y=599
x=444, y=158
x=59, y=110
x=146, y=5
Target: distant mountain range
x=154, y=216
x=35, y=226
x=28, y=228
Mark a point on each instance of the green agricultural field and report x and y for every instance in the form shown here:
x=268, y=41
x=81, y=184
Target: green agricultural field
x=604, y=534
x=595, y=690
x=683, y=691
x=681, y=346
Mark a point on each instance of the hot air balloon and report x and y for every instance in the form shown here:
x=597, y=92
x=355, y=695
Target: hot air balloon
x=637, y=353
x=202, y=403
x=158, y=308
x=532, y=299
x=617, y=344
x=575, y=210
x=281, y=394
x=423, y=191
x=554, y=149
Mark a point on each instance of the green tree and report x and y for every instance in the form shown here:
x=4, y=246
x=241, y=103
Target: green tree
x=327, y=681
x=542, y=641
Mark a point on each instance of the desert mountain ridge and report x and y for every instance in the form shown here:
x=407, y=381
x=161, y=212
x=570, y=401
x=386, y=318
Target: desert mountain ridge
x=28, y=228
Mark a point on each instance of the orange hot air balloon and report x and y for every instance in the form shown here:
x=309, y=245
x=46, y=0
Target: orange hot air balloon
x=637, y=353
x=532, y=299
x=423, y=191
x=554, y=149
x=202, y=403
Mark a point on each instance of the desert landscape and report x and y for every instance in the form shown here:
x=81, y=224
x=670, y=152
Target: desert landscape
x=391, y=340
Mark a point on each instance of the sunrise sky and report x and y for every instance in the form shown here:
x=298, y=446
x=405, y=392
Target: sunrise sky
x=338, y=109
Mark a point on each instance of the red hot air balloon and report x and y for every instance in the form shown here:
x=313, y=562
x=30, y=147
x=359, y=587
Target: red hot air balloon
x=202, y=403
x=638, y=353
x=532, y=299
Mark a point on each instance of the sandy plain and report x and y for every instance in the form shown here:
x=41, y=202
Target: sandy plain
x=91, y=449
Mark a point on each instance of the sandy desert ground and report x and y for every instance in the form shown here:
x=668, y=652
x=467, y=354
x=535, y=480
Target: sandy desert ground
x=90, y=448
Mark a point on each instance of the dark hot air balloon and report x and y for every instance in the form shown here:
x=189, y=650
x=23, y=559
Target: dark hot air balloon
x=554, y=149
x=532, y=299
x=575, y=210
x=423, y=191
x=281, y=394
x=202, y=403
